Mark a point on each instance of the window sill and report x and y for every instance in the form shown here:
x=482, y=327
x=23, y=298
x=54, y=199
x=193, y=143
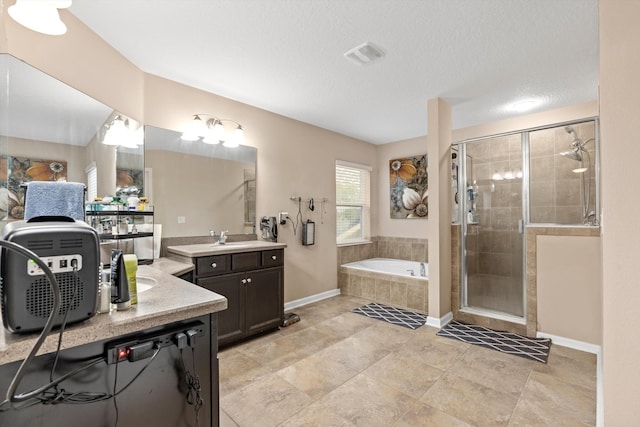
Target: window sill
x=360, y=242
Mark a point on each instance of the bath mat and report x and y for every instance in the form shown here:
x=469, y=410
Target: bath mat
x=506, y=342
x=397, y=316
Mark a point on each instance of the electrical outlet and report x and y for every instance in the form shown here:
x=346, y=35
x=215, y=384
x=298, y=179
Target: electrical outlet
x=182, y=220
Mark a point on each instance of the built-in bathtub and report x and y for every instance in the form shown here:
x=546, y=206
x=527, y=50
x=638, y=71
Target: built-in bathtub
x=387, y=281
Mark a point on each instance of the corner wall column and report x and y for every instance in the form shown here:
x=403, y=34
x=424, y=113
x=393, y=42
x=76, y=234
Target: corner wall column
x=439, y=223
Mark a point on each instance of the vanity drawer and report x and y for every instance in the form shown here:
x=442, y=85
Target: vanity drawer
x=245, y=261
x=273, y=258
x=214, y=264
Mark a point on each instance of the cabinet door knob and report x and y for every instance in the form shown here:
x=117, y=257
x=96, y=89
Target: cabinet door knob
x=249, y=280
x=214, y=265
x=273, y=257
x=244, y=280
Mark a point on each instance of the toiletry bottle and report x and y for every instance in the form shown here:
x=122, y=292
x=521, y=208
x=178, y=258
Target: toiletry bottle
x=104, y=290
x=123, y=228
x=131, y=268
x=119, y=281
x=469, y=217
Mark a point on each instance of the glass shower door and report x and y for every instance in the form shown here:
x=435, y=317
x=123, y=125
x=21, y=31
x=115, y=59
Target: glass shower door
x=493, y=225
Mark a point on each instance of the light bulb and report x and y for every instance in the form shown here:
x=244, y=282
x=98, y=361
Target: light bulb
x=38, y=15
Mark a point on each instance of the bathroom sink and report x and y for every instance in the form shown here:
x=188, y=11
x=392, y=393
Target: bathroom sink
x=144, y=283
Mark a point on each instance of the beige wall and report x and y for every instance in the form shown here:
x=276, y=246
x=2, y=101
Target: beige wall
x=619, y=113
x=293, y=159
x=569, y=287
x=191, y=190
x=415, y=228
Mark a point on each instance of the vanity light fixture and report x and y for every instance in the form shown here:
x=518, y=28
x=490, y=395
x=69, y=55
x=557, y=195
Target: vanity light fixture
x=212, y=131
x=40, y=15
x=120, y=133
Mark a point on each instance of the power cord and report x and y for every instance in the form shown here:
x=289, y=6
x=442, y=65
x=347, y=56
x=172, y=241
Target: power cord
x=11, y=396
x=194, y=390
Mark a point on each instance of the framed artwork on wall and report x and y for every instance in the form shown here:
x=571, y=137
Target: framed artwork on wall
x=16, y=171
x=409, y=187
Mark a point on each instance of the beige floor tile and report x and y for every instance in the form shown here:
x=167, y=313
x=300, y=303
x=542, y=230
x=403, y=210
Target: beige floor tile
x=548, y=400
x=267, y=401
x=345, y=325
x=441, y=353
x=572, y=366
x=410, y=375
x=226, y=421
x=366, y=402
x=470, y=401
x=238, y=370
x=337, y=368
x=491, y=368
x=425, y=415
x=320, y=373
x=316, y=415
x=285, y=350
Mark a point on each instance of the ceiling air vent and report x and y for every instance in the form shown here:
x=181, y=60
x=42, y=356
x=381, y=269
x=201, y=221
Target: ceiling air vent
x=365, y=54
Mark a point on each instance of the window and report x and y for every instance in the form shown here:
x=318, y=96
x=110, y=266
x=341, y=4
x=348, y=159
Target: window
x=92, y=181
x=352, y=203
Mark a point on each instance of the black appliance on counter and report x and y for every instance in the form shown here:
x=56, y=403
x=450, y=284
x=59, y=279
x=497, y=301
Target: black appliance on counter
x=26, y=295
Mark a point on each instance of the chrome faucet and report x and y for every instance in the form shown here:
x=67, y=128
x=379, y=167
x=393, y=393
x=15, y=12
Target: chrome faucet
x=212, y=232
x=223, y=237
x=411, y=272
x=423, y=270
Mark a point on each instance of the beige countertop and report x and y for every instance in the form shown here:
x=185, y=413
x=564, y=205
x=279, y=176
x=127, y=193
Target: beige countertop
x=172, y=266
x=205, y=249
x=169, y=300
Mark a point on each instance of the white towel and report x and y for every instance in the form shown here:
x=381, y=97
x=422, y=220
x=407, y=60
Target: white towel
x=54, y=199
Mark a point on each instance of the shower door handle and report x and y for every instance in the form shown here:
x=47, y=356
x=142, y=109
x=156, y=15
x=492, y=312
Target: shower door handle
x=521, y=226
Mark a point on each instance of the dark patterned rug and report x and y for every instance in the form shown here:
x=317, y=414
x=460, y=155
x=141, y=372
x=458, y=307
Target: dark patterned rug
x=506, y=342
x=397, y=316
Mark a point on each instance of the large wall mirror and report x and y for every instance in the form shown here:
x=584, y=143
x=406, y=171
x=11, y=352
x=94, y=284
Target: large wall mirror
x=197, y=187
x=51, y=131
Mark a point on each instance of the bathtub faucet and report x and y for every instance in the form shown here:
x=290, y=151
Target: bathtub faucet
x=423, y=271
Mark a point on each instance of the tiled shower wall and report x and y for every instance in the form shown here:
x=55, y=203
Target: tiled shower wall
x=410, y=249
x=555, y=188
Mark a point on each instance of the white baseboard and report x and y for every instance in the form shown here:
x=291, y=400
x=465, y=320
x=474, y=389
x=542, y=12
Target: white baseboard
x=571, y=343
x=439, y=322
x=589, y=348
x=311, y=299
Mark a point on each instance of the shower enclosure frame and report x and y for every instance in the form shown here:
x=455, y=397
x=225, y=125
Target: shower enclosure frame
x=525, y=221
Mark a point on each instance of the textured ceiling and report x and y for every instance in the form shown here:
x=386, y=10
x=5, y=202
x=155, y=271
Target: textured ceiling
x=286, y=56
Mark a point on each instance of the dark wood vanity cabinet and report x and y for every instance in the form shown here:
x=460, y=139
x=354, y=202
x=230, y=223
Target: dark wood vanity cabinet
x=253, y=283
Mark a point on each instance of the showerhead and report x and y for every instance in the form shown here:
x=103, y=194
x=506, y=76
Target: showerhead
x=572, y=154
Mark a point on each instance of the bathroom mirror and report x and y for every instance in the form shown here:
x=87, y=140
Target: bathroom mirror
x=51, y=131
x=197, y=187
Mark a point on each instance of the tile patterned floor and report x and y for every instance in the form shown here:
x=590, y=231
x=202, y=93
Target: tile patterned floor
x=336, y=368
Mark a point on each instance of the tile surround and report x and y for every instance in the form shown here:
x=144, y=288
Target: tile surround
x=402, y=292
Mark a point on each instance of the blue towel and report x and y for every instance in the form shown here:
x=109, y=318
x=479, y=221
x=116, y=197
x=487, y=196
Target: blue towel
x=54, y=198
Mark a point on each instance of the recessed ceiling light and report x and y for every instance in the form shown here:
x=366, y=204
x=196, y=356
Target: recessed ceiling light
x=364, y=54
x=524, y=105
